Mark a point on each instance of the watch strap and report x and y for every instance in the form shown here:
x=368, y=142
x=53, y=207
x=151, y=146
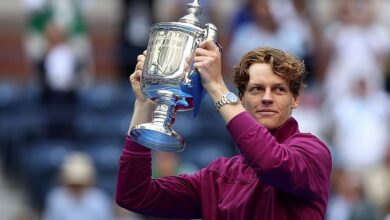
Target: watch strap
x=228, y=98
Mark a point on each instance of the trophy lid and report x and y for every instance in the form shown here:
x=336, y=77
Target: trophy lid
x=193, y=10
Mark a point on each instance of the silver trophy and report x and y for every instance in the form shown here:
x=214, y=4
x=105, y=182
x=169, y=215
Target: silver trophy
x=164, y=76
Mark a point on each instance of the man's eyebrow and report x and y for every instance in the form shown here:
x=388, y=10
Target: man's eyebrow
x=255, y=84
x=273, y=85
x=280, y=84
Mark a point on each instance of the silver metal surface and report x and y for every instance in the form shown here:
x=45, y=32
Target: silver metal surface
x=164, y=76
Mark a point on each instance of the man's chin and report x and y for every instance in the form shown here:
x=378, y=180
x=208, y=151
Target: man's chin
x=267, y=123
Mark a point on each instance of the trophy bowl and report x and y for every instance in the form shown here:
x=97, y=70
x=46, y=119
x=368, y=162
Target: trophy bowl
x=165, y=79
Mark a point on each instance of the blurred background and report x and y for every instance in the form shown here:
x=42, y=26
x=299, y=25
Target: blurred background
x=66, y=103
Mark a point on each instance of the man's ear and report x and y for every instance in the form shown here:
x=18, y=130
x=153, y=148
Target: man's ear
x=295, y=102
x=241, y=97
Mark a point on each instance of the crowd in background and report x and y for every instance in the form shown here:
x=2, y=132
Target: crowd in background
x=62, y=133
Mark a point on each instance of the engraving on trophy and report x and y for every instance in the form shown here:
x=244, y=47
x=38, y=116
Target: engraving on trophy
x=166, y=54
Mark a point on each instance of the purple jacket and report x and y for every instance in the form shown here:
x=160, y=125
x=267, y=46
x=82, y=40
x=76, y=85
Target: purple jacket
x=280, y=175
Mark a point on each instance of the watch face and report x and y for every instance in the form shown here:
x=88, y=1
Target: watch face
x=231, y=97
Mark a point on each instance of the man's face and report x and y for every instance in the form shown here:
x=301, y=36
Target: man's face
x=267, y=96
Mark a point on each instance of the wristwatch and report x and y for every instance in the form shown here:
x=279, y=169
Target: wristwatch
x=228, y=98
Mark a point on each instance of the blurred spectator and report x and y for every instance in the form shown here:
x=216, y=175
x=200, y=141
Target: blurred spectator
x=360, y=126
x=67, y=15
x=357, y=46
x=220, y=14
x=38, y=13
x=261, y=23
x=166, y=164
x=309, y=115
x=60, y=67
x=348, y=201
x=77, y=198
x=136, y=19
x=63, y=63
x=296, y=16
x=170, y=164
x=304, y=21
x=377, y=185
x=168, y=10
x=60, y=80
x=173, y=10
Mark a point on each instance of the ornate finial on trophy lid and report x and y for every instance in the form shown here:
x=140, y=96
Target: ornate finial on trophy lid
x=193, y=10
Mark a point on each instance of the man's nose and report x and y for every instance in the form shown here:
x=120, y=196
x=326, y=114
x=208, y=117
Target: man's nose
x=267, y=97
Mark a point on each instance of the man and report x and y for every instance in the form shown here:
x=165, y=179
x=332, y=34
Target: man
x=280, y=174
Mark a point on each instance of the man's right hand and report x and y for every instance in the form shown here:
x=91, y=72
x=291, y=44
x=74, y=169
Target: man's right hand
x=143, y=107
x=135, y=77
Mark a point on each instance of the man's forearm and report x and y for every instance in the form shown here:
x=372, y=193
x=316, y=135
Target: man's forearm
x=143, y=112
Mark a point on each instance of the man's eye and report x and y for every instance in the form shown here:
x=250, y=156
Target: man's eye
x=256, y=89
x=280, y=89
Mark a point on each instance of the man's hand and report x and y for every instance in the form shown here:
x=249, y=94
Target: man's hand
x=135, y=77
x=207, y=61
x=143, y=108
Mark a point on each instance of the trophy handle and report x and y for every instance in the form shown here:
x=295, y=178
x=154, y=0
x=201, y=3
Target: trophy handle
x=210, y=32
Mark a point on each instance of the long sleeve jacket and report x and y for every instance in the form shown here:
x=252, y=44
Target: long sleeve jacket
x=279, y=175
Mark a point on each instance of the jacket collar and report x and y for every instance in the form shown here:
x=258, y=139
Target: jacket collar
x=286, y=130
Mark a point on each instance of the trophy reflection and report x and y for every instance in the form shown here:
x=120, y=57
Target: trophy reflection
x=164, y=75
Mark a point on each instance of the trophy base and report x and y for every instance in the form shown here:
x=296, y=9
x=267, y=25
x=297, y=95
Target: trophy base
x=157, y=138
